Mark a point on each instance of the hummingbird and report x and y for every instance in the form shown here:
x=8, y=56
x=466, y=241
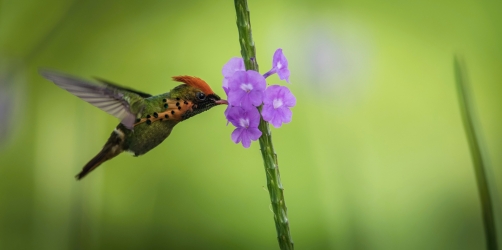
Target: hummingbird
x=145, y=120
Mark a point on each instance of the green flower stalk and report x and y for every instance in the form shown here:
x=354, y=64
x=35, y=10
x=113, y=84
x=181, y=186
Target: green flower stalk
x=247, y=95
x=476, y=154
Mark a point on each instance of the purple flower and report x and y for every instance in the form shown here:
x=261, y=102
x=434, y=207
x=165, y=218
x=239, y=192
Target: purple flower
x=246, y=119
x=276, y=104
x=233, y=65
x=280, y=66
x=246, y=88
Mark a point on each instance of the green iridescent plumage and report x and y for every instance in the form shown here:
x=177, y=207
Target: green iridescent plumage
x=146, y=120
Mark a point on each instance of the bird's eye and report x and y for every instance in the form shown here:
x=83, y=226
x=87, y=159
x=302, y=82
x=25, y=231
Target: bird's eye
x=201, y=96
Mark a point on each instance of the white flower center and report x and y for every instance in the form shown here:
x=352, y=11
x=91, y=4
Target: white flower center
x=279, y=65
x=247, y=87
x=277, y=103
x=244, y=122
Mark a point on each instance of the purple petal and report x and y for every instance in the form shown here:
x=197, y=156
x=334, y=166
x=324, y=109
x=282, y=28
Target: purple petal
x=271, y=93
x=236, y=135
x=235, y=97
x=255, y=97
x=254, y=133
x=245, y=101
x=254, y=116
x=280, y=63
x=244, y=134
x=233, y=115
x=282, y=115
x=279, y=60
x=226, y=113
x=277, y=119
x=234, y=82
x=246, y=142
x=283, y=74
x=285, y=94
x=286, y=115
x=289, y=99
x=233, y=65
x=279, y=114
x=279, y=92
x=257, y=80
x=267, y=112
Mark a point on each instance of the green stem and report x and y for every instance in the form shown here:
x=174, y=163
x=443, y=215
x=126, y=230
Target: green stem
x=479, y=166
x=274, y=184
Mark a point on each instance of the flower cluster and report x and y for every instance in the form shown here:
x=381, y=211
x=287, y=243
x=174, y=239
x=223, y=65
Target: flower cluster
x=247, y=90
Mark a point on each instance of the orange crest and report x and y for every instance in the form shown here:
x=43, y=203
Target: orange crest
x=195, y=82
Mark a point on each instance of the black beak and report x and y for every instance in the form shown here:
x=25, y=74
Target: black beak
x=221, y=102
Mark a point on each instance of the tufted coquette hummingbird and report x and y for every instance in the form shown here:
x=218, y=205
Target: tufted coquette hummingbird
x=146, y=120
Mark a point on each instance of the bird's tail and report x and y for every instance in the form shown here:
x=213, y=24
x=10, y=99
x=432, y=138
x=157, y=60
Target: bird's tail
x=112, y=148
x=93, y=164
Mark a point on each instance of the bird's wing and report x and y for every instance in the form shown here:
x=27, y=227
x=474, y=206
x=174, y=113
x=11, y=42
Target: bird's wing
x=116, y=86
x=115, y=101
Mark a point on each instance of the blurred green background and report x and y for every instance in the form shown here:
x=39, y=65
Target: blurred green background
x=375, y=158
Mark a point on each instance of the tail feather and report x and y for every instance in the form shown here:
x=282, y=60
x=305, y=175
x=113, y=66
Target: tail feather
x=112, y=148
x=93, y=164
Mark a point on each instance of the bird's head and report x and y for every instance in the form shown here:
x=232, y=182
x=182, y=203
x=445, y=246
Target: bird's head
x=197, y=92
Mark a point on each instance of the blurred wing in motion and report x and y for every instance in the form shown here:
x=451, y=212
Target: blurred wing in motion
x=116, y=86
x=111, y=98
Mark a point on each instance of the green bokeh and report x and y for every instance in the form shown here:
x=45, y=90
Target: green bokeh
x=375, y=158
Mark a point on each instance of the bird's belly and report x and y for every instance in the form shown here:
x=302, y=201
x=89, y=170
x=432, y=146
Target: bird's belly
x=145, y=137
